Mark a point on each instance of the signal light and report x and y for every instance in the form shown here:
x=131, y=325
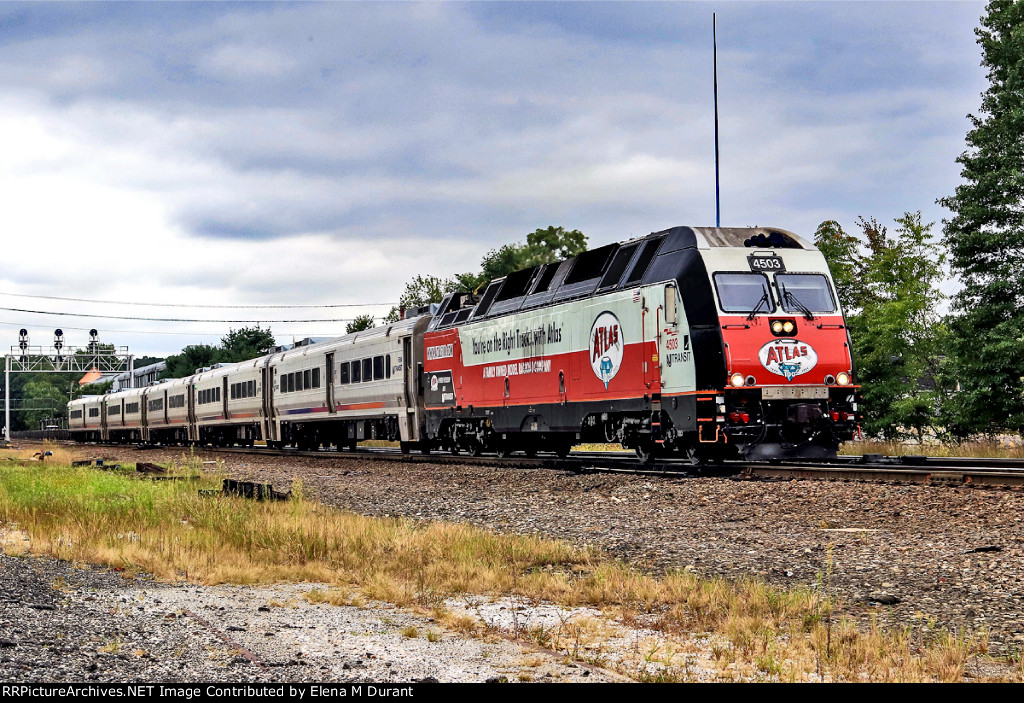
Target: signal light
x=777, y=327
x=788, y=327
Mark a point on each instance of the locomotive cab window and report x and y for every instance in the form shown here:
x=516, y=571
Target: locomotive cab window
x=808, y=289
x=744, y=292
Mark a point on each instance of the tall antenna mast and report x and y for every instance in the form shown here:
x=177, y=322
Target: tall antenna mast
x=714, y=41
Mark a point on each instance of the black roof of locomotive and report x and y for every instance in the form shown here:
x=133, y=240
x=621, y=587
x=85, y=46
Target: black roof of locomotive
x=604, y=269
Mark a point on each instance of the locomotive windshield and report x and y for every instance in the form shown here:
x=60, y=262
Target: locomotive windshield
x=805, y=290
x=744, y=292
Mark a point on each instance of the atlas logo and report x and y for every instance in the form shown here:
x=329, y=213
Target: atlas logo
x=606, y=347
x=788, y=357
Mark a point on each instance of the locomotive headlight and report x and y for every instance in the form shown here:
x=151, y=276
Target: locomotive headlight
x=736, y=380
x=843, y=378
x=788, y=327
x=777, y=327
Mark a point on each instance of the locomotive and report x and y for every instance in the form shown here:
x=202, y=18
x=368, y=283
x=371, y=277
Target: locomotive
x=697, y=342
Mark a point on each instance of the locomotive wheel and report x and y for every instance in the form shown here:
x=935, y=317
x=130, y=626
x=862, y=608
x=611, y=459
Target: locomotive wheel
x=644, y=452
x=502, y=450
x=694, y=457
x=562, y=450
x=474, y=449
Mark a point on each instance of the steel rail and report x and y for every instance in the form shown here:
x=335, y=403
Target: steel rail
x=922, y=470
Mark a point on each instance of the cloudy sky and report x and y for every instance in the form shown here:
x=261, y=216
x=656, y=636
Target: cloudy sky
x=323, y=153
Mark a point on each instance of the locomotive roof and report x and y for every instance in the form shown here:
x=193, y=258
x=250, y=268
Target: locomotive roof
x=619, y=265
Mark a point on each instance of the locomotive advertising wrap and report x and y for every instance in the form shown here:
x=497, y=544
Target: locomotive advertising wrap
x=593, y=349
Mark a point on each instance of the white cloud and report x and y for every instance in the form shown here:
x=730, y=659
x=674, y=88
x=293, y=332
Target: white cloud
x=324, y=153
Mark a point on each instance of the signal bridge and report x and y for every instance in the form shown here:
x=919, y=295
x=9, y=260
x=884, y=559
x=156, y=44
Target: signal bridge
x=59, y=358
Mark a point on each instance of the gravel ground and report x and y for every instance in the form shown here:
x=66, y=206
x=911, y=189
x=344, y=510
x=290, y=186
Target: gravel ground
x=909, y=555
x=906, y=554
x=61, y=623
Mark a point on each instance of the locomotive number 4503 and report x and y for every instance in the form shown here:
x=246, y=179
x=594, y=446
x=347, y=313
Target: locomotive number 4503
x=766, y=263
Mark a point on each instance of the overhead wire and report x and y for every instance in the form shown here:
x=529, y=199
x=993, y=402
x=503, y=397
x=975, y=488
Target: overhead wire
x=170, y=319
x=189, y=305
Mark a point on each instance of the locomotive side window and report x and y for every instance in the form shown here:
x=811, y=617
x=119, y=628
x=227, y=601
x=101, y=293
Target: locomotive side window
x=744, y=292
x=644, y=260
x=618, y=267
x=808, y=289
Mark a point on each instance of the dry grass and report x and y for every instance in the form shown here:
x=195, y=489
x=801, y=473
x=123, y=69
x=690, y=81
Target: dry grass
x=168, y=530
x=999, y=449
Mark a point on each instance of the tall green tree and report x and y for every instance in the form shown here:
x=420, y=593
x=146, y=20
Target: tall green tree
x=888, y=286
x=898, y=336
x=985, y=236
x=842, y=252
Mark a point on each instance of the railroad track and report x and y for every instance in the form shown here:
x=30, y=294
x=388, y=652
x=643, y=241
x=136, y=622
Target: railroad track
x=919, y=469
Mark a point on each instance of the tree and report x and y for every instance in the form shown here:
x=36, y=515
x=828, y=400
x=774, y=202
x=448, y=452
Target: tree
x=192, y=357
x=543, y=246
x=842, y=252
x=245, y=343
x=43, y=398
x=897, y=336
x=984, y=236
x=421, y=290
x=546, y=246
x=362, y=322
